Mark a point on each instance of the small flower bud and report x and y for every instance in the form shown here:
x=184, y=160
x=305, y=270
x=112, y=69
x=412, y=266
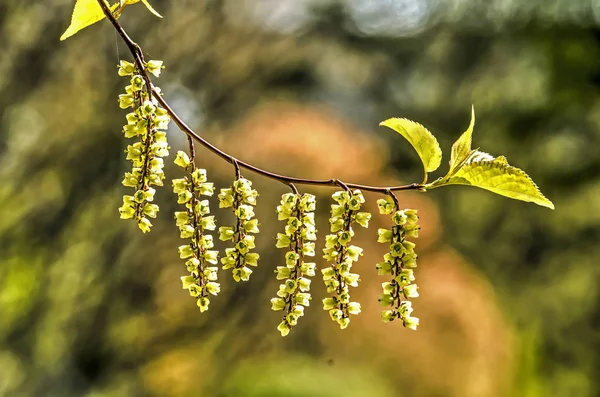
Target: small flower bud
x=363, y=218
x=308, y=249
x=384, y=235
x=251, y=258
x=148, y=109
x=344, y=322
x=226, y=233
x=242, y=274
x=251, y=226
x=341, y=197
x=179, y=185
x=303, y=284
x=186, y=281
x=225, y=198
x=126, y=101
x=203, y=304
x=388, y=315
x=144, y=224
x=208, y=223
x=154, y=67
x=336, y=314
x=399, y=218
x=303, y=298
x=126, y=211
x=354, y=308
x=186, y=231
x=206, y=241
x=386, y=205
x=206, y=189
x=242, y=185
x=283, y=241
x=199, y=176
x=277, y=304
x=182, y=218
x=405, y=277
x=137, y=82
x=202, y=207
x=244, y=212
x=282, y=272
x=182, y=159
x=192, y=264
x=329, y=303
x=389, y=288
x=185, y=251
x=184, y=197
x=328, y=273
x=354, y=252
x=213, y=288
x=284, y=328
x=194, y=290
x=411, y=322
x=126, y=68
x=308, y=269
x=211, y=257
x=410, y=291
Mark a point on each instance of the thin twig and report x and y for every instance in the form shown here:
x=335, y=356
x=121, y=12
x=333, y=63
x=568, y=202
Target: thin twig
x=342, y=185
x=238, y=172
x=192, y=149
x=138, y=57
x=393, y=196
x=293, y=187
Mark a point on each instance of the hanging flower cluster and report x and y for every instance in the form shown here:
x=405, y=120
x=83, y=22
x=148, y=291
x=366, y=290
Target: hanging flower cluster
x=192, y=223
x=338, y=250
x=146, y=124
x=399, y=263
x=242, y=198
x=300, y=233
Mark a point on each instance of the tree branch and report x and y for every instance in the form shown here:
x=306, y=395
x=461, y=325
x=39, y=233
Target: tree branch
x=138, y=57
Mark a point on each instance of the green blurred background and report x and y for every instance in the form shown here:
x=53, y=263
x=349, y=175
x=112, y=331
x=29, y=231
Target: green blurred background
x=509, y=305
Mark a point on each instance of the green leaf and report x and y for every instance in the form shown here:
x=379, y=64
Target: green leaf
x=85, y=13
x=88, y=12
x=496, y=175
x=461, y=149
x=423, y=141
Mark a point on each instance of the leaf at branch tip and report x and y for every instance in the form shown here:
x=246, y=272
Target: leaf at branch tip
x=152, y=10
x=497, y=176
x=461, y=149
x=88, y=12
x=148, y=6
x=421, y=139
x=85, y=13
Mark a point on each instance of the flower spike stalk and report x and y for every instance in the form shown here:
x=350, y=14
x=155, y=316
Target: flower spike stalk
x=298, y=241
x=193, y=223
x=146, y=123
x=242, y=199
x=341, y=254
x=399, y=262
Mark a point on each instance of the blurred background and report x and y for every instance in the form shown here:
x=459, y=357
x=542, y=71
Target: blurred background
x=509, y=303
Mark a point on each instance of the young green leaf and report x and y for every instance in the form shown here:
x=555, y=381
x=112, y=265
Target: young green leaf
x=88, y=12
x=461, y=149
x=85, y=13
x=496, y=175
x=421, y=139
